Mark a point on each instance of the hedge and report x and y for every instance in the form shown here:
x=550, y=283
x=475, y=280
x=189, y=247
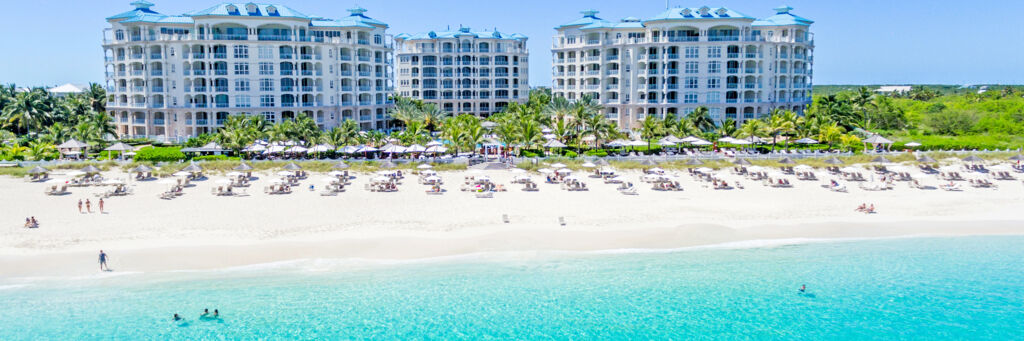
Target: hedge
x=159, y=154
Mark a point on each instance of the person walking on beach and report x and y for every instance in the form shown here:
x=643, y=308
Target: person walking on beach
x=79, y=205
x=88, y=205
x=101, y=205
x=103, y=261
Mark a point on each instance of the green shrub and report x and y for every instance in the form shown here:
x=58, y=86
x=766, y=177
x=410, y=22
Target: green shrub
x=214, y=158
x=570, y=154
x=596, y=152
x=533, y=153
x=159, y=154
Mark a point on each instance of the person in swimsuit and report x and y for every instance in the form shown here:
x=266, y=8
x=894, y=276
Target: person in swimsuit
x=803, y=288
x=177, y=317
x=103, y=261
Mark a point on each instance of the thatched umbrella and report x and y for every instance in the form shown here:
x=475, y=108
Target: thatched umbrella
x=340, y=165
x=243, y=167
x=142, y=169
x=787, y=161
x=601, y=162
x=292, y=166
x=834, y=161
x=38, y=170
x=192, y=168
x=742, y=162
x=90, y=169
x=973, y=158
x=1017, y=157
x=880, y=159
x=694, y=162
x=649, y=162
x=387, y=164
x=926, y=159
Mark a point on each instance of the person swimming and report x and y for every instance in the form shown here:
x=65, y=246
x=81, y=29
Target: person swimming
x=803, y=288
x=177, y=317
x=216, y=313
x=205, y=312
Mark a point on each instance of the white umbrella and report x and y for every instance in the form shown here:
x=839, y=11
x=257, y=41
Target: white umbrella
x=558, y=165
x=367, y=149
x=285, y=173
x=336, y=173
x=554, y=144
x=425, y=166
x=297, y=149
x=437, y=149
x=393, y=149
x=616, y=143
x=274, y=149
x=255, y=148
x=415, y=149
x=727, y=140
x=434, y=144
x=75, y=173
x=545, y=170
x=321, y=148
x=564, y=171
x=181, y=174
x=350, y=150
x=589, y=164
x=701, y=143
x=518, y=170
x=637, y=143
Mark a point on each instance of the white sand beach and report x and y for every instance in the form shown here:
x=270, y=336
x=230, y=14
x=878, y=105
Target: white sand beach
x=198, y=230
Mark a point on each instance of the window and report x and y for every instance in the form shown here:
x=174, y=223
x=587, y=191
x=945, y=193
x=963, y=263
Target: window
x=242, y=84
x=266, y=84
x=241, y=68
x=266, y=52
x=714, y=97
x=266, y=68
x=267, y=101
x=690, y=82
x=242, y=101
x=714, y=52
x=692, y=52
x=714, y=83
x=242, y=51
x=690, y=97
x=714, y=67
x=716, y=113
x=691, y=67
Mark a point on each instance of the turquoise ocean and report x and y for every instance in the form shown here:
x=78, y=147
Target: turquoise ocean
x=933, y=288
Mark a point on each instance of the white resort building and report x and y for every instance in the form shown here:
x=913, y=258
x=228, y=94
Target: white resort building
x=737, y=66
x=463, y=71
x=170, y=77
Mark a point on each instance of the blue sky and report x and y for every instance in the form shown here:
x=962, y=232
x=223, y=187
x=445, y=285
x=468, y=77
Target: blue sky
x=858, y=41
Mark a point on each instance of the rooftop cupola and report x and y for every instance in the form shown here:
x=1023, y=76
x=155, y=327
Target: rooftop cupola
x=783, y=9
x=357, y=12
x=590, y=13
x=142, y=4
x=464, y=29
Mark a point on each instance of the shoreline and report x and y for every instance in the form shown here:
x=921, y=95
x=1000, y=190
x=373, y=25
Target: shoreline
x=412, y=249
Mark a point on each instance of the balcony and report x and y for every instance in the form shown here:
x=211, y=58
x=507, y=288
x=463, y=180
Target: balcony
x=732, y=86
x=154, y=56
x=139, y=121
x=158, y=121
x=346, y=88
x=346, y=72
x=137, y=56
x=220, y=36
x=363, y=42
x=158, y=89
x=750, y=70
x=672, y=71
x=271, y=37
x=222, y=105
x=672, y=86
x=751, y=55
x=307, y=88
x=198, y=55
x=306, y=72
x=138, y=88
x=367, y=87
x=365, y=102
x=137, y=72
x=732, y=70
x=287, y=88
x=345, y=57
x=683, y=38
x=286, y=56
x=783, y=55
x=286, y=72
x=220, y=72
x=723, y=38
x=200, y=89
x=367, y=58
x=199, y=72
x=731, y=100
x=220, y=55
x=364, y=73
x=156, y=73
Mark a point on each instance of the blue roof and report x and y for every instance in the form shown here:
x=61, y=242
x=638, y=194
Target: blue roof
x=782, y=17
x=462, y=32
x=160, y=19
x=589, y=17
x=240, y=10
x=685, y=13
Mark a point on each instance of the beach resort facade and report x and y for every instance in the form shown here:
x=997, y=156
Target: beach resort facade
x=170, y=77
x=463, y=71
x=737, y=66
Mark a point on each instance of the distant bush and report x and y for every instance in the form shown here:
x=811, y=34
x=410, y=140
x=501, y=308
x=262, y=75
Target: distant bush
x=214, y=158
x=159, y=154
x=596, y=152
x=532, y=153
x=570, y=154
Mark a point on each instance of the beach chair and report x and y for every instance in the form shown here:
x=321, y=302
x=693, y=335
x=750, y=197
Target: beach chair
x=561, y=221
x=504, y=218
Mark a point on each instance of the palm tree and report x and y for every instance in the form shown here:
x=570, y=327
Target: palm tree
x=651, y=128
x=685, y=127
x=530, y=134
x=830, y=134
x=751, y=128
x=727, y=128
x=777, y=125
x=404, y=111
x=96, y=97
x=701, y=118
x=26, y=111
x=39, y=150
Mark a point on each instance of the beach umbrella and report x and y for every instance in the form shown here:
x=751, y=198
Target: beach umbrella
x=285, y=173
x=255, y=148
x=701, y=143
x=834, y=161
x=742, y=162
x=292, y=166
x=554, y=144
x=558, y=165
x=367, y=149
x=727, y=140
x=649, y=162
x=415, y=149
x=297, y=149
x=392, y=149
x=616, y=143
x=350, y=150
x=545, y=171
x=243, y=167
x=38, y=170
x=550, y=136
x=180, y=174
x=118, y=147
x=322, y=148
x=787, y=161
x=973, y=158
x=1017, y=157
x=518, y=170
x=589, y=164
x=741, y=142
x=693, y=162
x=926, y=159
x=274, y=149
x=434, y=143
x=437, y=149
x=666, y=143
x=233, y=174
x=601, y=162
x=425, y=166
x=142, y=169
x=72, y=144
x=387, y=164
x=192, y=168
x=340, y=165
x=90, y=169
x=806, y=140
x=880, y=159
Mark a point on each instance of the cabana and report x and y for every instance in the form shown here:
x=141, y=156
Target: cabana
x=877, y=140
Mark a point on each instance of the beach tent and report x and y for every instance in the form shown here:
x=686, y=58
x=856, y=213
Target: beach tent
x=72, y=147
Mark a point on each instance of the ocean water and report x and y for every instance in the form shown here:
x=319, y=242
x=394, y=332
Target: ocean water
x=913, y=288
